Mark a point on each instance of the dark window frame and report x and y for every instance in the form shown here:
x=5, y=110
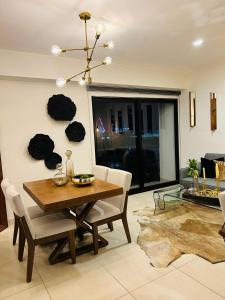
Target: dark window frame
x=137, y=101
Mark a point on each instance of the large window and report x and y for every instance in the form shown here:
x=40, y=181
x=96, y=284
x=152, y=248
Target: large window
x=140, y=136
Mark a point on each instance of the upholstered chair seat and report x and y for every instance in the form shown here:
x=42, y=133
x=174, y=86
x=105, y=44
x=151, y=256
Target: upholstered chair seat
x=39, y=230
x=53, y=224
x=35, y=211
x=102, y=210
x=111, y=209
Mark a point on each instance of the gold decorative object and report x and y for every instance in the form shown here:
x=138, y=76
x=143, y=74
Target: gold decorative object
x=60, y=178
x=213, y=111
x=69, y=165
x=212, y=193
x=86, y=73
x=204, y=181
x=221, y=169
x=83, y=179
x=192, y=108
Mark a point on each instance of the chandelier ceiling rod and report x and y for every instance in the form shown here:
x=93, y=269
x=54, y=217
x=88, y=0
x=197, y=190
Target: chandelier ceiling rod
x=56, y=50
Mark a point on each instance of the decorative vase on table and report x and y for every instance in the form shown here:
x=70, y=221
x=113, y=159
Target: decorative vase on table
x=193, y=172
x=60, y=178
x=195, y=184
x=69, y=165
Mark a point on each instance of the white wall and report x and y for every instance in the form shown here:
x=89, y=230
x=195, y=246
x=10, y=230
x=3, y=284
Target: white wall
x=26, y=83
x=31, y=65
x=195, y=142
x=22, y=115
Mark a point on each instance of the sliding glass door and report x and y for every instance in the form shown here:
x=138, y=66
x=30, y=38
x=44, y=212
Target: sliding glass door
x=140, y=136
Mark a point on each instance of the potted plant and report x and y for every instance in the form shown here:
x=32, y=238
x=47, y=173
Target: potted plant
x=193, y=172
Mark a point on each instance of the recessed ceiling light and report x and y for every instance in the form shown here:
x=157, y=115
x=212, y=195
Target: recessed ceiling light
x=198, y=43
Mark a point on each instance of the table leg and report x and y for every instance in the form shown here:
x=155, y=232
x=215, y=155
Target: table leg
x=58, y=255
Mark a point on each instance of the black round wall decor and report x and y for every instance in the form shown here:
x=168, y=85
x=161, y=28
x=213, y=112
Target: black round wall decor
x=52, y=160
x=40, y=146
x=61, y=108
x=75, y=132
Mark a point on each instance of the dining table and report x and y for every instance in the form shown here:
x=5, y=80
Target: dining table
x=67, y=198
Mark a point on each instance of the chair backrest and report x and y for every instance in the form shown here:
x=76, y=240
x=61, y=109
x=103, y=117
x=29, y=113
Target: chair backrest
x=222, y=203
x=100, y=172
x=16, y=204
x=4, y=185
x=121, y=178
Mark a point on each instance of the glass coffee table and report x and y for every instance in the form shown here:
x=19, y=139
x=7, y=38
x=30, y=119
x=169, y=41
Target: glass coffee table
x=173, y=195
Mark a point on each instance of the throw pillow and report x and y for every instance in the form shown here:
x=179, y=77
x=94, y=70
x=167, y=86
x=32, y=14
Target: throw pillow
x=209, y=166
x=221, y=166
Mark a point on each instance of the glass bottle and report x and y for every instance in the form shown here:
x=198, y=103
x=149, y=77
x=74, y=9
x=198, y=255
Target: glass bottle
x=69, y=165
x=60, y=178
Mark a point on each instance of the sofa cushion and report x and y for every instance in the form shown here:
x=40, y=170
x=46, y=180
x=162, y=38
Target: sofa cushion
x=209, y=166
x=212, y=156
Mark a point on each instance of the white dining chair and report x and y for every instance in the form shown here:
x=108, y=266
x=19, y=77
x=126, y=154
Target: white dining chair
x=100, y=172
x=33, y=211
x=40, y=230
x=222, y=204
x=113, y=208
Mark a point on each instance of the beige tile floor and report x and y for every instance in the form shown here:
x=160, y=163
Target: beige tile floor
x=120, y=271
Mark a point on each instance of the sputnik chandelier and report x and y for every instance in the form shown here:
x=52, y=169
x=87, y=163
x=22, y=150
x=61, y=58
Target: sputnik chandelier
x=86, y=73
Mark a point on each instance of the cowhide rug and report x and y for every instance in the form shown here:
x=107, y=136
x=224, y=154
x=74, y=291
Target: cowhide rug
x=187, y=228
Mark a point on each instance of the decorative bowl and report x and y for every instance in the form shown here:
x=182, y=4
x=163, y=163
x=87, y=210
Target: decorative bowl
x=83, y=179
x=60, y=181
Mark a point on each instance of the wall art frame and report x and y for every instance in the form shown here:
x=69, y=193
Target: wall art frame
x=192, y=109
x=213, y=111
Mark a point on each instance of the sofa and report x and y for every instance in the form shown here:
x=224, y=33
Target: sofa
x=210, y=182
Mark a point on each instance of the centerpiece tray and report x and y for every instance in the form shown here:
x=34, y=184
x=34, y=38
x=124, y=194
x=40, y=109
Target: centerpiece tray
x=201, y=199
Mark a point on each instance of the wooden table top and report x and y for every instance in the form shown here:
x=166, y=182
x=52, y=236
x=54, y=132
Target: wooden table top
x=53, y=198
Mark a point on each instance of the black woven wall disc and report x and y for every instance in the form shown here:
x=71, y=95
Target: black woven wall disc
x=75, y=132
x=41, y=146
x=52, y=160
x=61, y=108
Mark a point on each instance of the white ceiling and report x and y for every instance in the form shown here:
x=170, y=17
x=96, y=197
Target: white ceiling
x=150, y=32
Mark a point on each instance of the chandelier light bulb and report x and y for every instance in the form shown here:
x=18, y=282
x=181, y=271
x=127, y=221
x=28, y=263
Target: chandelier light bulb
x=107, y=60
x=56, y=50
x=60, y=82
x=82, y=82
x=110, y=44
x=84, y=77
x=198, y=43
x=100, y=28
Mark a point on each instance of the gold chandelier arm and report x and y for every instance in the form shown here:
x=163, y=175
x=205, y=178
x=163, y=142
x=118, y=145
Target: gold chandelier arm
x=82, y=49
x=93, y=49
x=73, y=49
x=87, y=52
x=86, y=37
x=69, y=79
x=85, y=71
x=101, y=64
x=90, y=58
